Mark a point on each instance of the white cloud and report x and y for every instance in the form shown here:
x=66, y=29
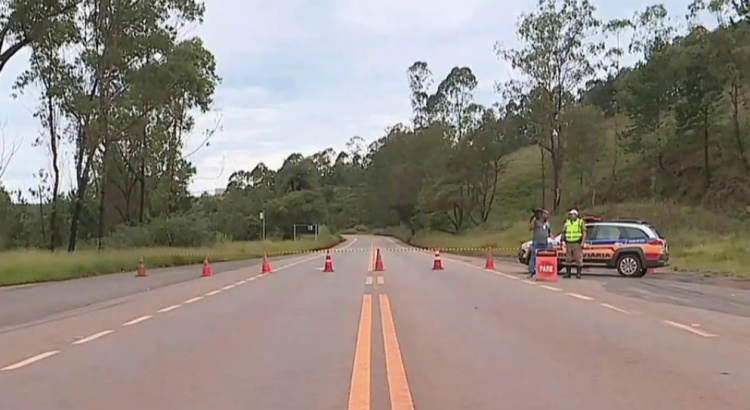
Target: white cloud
x=304, y=76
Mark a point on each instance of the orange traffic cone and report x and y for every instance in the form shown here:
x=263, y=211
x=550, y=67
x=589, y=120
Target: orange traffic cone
x=490, y=263
x=266, y=267
x=437, y=264
x=378, y=262
x=206, y=267
x=141, y=272
x=328, y=267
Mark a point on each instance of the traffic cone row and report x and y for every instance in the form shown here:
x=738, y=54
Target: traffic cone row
x=437, y=264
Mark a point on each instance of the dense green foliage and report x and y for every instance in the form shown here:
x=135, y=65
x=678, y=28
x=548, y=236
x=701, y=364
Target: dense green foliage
x=580, y=129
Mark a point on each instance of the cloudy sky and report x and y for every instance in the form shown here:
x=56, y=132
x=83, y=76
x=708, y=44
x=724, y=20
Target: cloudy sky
x=301, y=76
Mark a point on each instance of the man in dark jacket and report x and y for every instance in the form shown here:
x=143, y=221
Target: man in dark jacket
x=539, y=226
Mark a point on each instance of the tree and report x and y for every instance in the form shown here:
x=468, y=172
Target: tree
x=23, y=22
x=556, y=43
x=648, y=92
x=699, y=88
x=420, y=81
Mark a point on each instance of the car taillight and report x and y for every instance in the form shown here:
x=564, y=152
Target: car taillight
x=655, y=242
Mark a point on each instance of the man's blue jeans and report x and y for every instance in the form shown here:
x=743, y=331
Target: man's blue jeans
x=532, y=255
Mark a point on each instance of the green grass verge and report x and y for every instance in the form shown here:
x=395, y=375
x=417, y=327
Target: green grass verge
x=31, y=266
x=699, y=241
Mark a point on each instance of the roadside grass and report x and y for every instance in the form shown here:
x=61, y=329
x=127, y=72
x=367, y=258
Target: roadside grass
x=699, y=241
x=30, y=266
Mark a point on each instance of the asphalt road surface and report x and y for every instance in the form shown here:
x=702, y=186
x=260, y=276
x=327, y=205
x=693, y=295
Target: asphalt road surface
x=404, y=338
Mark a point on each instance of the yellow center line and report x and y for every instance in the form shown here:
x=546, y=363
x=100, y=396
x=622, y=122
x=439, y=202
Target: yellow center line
x=371, y=262
x=359, y=393
x=398, y=385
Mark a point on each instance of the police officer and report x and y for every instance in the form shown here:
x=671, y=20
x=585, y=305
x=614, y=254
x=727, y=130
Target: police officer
x=573, y=235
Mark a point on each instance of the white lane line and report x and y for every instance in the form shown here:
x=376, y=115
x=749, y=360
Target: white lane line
x=169, y=308
x=92, y=337
x=252, y=279
x=689, y=329
x=239, y=283
x=615, y=308
x=195, y=299
x=30, y=360
x=228, y=287
x=552, y=288
x=215, y=292
x=582, y=297
x=530, y=282
x=137, y=320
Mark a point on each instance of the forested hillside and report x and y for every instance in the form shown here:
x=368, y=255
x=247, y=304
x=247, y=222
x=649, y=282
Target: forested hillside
x=665, y=138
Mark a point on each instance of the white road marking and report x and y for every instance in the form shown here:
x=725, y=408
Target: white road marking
x=689, y=329
x=239, y=283
x=169, y=308
x=92, y=337
x=228, y=287
x=552, y=288
x=252, y=279
x=30, y=360
x=215, y=292
x=530, y=282
x=582, y=297
x=195, y=299
x=615, y=308
x=137, y=320
x=368, y=280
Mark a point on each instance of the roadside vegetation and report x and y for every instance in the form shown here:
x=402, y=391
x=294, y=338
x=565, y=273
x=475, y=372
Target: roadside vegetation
x=119, y=90
x=664, y=139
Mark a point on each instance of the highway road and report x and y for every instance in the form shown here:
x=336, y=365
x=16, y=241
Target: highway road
x=404, y=338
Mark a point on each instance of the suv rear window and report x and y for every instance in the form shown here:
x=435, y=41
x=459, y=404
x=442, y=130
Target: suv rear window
x=653, y=228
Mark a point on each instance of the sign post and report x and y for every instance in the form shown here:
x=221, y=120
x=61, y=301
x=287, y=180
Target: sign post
x=546, y=265
x=263, y=218
x=308, y=227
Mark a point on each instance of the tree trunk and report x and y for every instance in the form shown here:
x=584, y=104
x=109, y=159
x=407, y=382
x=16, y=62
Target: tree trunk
x=54, y=240
x=543, y=177
x=706, y=164
x=103, y=195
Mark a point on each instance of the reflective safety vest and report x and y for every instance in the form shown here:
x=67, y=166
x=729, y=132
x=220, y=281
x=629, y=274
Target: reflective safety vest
x=573, y=230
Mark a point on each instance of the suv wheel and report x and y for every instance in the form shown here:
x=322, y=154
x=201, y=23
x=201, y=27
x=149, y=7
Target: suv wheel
x=629, y=265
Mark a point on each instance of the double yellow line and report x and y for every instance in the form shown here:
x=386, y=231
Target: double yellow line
x=398, y=386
